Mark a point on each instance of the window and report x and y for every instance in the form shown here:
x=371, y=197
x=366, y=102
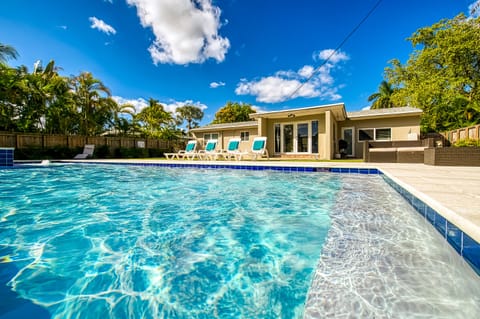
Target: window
x=210, y=136
x=375, y=134
x=314, y=136
x=366, y=135
x=244, y=136
x=383, y=134
x=277, y=138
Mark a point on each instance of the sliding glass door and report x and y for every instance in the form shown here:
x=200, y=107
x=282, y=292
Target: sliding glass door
x=288, y=138
x=296, y=137
x=302, y=138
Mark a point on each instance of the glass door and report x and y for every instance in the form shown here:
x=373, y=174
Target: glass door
x=288, y=138
x=348, y=136
x=302, y=138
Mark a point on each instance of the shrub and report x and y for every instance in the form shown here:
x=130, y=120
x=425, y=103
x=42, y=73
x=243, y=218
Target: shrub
x=467, y=143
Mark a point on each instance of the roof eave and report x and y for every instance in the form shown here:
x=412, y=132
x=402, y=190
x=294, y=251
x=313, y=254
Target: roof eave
x=388, y=115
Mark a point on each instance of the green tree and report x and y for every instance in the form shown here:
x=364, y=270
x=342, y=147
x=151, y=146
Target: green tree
x=42, y=90
x=12, y=87
x=123, y=119
x=383, y=98
x=7, y=52
x=233, y=112
x=93, y=100
x=442, y=75
x=191, y=114
x=154, y=120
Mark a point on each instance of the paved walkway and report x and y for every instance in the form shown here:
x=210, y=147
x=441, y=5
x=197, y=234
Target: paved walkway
x=453, y=192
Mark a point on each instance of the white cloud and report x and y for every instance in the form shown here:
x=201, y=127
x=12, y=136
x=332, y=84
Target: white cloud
x=330, y=56
x=474, y=9
x=215, y=85
x=139, y=103
x=170, y=106
x=186, y=31
x=306, y=71
x=285, y=85
x=274, y=89
x=101, y=26
x=64, y=27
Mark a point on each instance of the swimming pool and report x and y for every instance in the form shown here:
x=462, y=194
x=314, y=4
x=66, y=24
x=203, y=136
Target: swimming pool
x=90, y=241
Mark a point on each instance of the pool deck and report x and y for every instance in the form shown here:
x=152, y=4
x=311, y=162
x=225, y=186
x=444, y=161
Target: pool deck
x=453, y=191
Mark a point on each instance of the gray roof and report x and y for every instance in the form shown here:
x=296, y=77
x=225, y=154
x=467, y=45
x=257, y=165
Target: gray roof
x=212, y=127
x=407, y=110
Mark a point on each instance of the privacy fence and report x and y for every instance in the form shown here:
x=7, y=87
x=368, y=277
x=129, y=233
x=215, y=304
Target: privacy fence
x=42, y=144
x=471, y=133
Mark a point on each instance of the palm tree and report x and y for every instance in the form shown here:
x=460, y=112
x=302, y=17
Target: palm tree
x=156, y=121
x=123, y=118
x=189, y=113
x=43, y=86
x=92, y=98
x=382, y=99
x=7, y=52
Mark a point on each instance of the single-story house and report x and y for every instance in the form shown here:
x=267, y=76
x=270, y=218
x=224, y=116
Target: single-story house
x=314, y=132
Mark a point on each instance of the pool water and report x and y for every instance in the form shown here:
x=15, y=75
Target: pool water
x=90, y=241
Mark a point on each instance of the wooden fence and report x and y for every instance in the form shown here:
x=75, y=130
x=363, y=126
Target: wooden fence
x=31, y=140
x=471, y=133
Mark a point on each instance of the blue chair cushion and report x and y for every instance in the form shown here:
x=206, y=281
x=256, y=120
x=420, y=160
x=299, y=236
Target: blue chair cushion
x=258, y=145
x=232, y=146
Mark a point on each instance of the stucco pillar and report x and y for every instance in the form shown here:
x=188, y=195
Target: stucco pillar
x=328, y=135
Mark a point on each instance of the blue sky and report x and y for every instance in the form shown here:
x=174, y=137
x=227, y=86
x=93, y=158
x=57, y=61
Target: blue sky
x=208, y=52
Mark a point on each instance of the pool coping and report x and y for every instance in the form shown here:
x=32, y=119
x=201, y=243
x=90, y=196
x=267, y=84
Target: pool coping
x=462, y=233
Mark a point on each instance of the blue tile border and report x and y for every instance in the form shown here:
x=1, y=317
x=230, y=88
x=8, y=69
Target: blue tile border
x=6, y=157
x=463, y=244
x=372, y=171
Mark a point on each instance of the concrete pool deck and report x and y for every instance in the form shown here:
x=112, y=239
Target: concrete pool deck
x=453, y=191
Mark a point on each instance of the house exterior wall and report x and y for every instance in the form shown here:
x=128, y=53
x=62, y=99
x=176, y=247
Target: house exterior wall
x=324, y=144
x=400, y=128
x=224, y=135
x=329, y=131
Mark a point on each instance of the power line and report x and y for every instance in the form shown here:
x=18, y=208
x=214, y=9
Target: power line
x=337, y=49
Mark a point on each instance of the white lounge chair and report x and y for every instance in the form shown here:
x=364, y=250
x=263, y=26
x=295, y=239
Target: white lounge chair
x=87, y=152
x=232, y=150
x=259, y=149
x=190, y=151
x=210, y=151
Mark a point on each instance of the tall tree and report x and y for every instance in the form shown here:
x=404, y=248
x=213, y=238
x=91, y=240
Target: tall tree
x=383, y=98
x=156, y=121
x=123, y=119
x=233, y=112
x=12, y=88
x=43, y=87
x=442, y=75
x=191, y=114
x=92, y=98
x=7, y=52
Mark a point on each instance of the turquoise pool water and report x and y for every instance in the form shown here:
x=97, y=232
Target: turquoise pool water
x=146, y=242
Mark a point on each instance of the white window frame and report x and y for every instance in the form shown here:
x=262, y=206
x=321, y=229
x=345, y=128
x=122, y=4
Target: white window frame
x=374, y=129
x=243, y=134
x=295, y=136
x=210, y=136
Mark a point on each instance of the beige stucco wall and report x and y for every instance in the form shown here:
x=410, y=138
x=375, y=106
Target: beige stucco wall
x=400, y=126
x=324, y=142
x=225, y=135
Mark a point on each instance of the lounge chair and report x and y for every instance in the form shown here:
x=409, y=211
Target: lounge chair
x=189, y=152
x=259, y=149
x=87, y=152
x=209, y=152
x=232, y=150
